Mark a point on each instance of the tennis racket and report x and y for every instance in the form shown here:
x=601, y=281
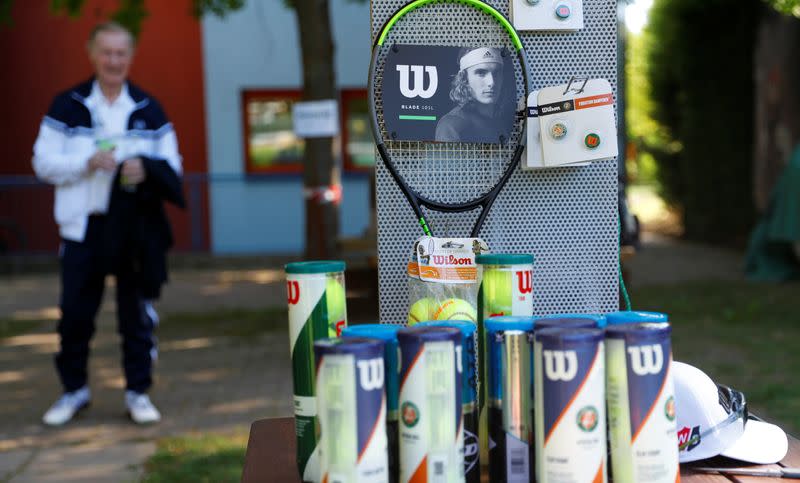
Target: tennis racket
x=449, y=177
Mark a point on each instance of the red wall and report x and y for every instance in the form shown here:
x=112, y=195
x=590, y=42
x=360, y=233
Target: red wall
x=43, y=54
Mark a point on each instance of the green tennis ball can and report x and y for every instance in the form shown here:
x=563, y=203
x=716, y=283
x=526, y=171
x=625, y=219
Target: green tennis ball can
x=317, y=310
x=506, y=289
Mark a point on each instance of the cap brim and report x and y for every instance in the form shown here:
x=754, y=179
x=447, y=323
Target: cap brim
x=761, y=443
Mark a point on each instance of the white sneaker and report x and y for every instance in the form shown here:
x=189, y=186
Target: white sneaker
x=67, y=406
x=140, y=409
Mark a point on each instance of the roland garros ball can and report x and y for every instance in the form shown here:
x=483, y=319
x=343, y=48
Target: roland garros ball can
x=431, y=426
x=641, y=403
x=506, y=289
x=317, y=310
x=569, y=394
x=351, y=409
x=509, y=364
x=469, y=394
x=391, y=376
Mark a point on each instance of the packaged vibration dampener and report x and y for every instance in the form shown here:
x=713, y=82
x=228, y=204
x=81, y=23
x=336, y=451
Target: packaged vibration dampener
x=443, y=279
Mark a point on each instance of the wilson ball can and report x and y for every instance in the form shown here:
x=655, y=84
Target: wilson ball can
x=634, y=317
x=566, y=323
x=431, y=426
x=641, y=403
x=506, y=289
x=600, y=319
x=351, y=406
x=510, y=403
x=469, y=394
x=569, y=394
x=388, y=334
x=317, y=310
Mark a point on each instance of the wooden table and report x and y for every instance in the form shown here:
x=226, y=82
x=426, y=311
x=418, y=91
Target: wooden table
x=271, y=457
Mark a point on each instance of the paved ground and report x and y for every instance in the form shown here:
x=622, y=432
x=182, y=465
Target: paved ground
x=204, y=383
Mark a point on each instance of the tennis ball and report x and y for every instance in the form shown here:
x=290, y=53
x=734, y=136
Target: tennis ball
x=497, y=292
x=421, y=310
x=456, y=309
x=337, y=307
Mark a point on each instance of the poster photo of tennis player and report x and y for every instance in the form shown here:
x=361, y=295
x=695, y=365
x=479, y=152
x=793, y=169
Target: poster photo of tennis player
x=449, y=94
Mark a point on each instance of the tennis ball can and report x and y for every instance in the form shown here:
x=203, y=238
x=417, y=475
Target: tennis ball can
x=317, y=310
x=351, y=405
x=431, y=426
x=506, y=289
x=469, y=394
x=510, y=363
x=391, y=376
x=569, y=395
x=641, y=403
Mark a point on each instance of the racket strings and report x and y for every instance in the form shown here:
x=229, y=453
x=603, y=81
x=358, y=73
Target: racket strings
x=447, y=172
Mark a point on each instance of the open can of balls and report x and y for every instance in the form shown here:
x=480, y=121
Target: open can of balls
x=431, y=426
x=317, y=310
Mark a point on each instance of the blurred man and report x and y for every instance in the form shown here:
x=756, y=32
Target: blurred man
x=112, y=155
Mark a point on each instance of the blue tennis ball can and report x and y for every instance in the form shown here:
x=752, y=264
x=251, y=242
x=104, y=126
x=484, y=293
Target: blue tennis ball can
x=569, y=394
x=351, y=410
x=641, y=403
x=431, y=426
x=469, y=394
x=388, y=334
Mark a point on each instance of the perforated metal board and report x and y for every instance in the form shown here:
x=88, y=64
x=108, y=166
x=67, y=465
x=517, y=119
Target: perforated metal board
x=566, y=217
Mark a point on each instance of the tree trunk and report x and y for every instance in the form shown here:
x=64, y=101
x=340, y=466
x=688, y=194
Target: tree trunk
x=320, y=170
x=777, y=100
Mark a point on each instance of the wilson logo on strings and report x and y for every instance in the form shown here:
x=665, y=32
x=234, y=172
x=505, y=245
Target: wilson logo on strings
x=560, y=365
x=646, y=359
x=419, y=72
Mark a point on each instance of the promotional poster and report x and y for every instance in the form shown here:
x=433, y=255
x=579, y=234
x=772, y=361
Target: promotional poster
x=449, y=94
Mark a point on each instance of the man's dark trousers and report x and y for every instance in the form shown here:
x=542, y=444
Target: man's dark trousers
x=83, y=270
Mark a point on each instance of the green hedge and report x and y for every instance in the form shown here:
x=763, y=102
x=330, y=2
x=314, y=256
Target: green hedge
x=699, y=61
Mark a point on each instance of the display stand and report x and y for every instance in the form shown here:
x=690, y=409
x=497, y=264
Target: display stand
x=566, y=217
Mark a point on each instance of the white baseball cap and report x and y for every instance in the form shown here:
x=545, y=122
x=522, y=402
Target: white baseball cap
x=713, y=420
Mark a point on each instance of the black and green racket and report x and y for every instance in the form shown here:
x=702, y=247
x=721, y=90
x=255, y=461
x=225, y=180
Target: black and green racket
x=450, y=176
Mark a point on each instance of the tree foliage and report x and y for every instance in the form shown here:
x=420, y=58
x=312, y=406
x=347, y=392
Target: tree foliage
x=701, y=87
x=130, y=13
x=787, y=7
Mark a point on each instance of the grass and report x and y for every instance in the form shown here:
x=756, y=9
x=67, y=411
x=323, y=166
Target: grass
x=741, y=334
x=197, y=458
x=225, y=322
x=12, y=327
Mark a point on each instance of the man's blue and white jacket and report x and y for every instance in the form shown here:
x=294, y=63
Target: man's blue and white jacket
x=67, y=139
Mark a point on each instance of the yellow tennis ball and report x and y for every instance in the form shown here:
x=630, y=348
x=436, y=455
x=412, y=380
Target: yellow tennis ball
x=456, y=309
x=337, y=307
x=421, y=310
x=497, y=288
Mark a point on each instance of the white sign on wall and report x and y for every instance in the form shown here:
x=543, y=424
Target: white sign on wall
x=315, y=119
